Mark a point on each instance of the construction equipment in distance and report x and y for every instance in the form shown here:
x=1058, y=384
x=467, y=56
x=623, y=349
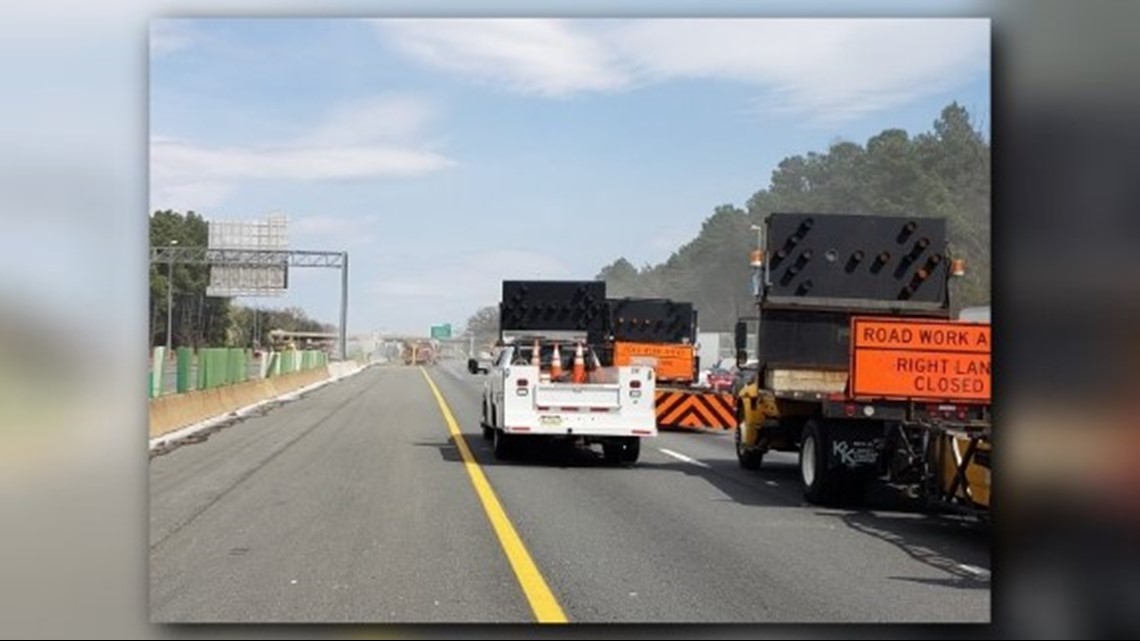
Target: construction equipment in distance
x=422, y=352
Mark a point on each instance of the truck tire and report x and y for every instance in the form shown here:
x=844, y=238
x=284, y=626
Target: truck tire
x=631, y=451
x=749, y=458
x=820, y=484
x=621, y=451
x=488, y=431
x=503, y=445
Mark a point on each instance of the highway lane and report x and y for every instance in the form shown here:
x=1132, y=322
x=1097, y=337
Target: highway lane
x=341, y=506
x=674, y=540
x=353, y=504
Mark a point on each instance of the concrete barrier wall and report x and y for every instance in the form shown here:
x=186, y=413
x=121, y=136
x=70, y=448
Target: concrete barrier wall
x=174, y=411
x=340, y=369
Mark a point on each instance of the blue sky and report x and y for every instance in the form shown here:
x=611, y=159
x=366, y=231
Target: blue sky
x=446, y=156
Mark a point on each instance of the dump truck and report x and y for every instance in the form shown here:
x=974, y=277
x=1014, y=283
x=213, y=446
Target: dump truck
x=860, y=366
x=661, y=333
x=547, y=381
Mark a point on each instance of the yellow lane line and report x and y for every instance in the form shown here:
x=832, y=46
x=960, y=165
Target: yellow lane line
x=538, y=594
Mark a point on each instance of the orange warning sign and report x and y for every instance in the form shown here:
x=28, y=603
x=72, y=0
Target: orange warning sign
x=674, y=362
x=940, y=336
x=936, y=360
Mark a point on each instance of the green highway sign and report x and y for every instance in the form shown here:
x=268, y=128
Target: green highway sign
x=441, y=331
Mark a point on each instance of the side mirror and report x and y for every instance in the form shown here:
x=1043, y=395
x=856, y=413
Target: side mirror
x=741, y=343
x=472, y=366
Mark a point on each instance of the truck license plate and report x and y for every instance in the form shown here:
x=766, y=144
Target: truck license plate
x=550, y=420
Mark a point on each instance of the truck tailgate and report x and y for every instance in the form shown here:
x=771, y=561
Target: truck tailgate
x=555, y=395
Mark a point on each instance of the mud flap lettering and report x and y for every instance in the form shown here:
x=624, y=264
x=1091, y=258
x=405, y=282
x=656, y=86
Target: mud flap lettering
x=853, y=454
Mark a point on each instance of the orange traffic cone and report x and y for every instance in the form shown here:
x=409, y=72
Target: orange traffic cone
x=556, y=364
x=536, y=356
x=578, y=375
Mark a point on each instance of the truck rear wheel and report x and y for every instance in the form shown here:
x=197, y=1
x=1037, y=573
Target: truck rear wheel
x=621, y=451
x=632, y=450
x=748, y=457
x=503, y=444
x=820, y=484
x=488, y=431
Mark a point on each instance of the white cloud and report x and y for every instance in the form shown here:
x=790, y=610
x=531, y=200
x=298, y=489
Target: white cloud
x=174, y=159
x=825, y=69
x=371, y=120
x=372, y=139
x=546, y=57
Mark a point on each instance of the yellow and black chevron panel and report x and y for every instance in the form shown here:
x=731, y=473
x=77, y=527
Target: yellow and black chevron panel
x=695, y=409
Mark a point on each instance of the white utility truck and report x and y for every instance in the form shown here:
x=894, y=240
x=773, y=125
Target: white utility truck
x=548, y=383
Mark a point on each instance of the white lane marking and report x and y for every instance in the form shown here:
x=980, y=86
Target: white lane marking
x=682, y=457
x=975, y=570
x=772, y=483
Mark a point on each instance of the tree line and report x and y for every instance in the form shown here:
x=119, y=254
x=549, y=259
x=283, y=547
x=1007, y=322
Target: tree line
x=944, y=172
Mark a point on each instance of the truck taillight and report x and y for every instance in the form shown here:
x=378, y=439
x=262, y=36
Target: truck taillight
x=522, y=382
x=849, y=409
x=635, y=384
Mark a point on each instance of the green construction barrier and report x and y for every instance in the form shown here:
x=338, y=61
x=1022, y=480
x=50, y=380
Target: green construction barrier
x=227, y=367
x=235, y=360
x=209, y=364
x=205, y=366
x=200, y=355
x=157, y=364
x=215, y=367
x=182, y=381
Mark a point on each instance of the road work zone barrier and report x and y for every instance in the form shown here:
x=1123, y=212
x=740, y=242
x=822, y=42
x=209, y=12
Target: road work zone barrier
x=684, y=409
x=208, y=368
x=174, y=411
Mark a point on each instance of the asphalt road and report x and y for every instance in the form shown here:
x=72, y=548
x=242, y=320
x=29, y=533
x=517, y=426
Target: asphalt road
x=354, y=504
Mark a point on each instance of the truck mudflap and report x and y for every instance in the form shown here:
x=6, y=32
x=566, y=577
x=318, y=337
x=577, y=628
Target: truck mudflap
x=854, y=445
x=855, y=453
x=695, y=409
